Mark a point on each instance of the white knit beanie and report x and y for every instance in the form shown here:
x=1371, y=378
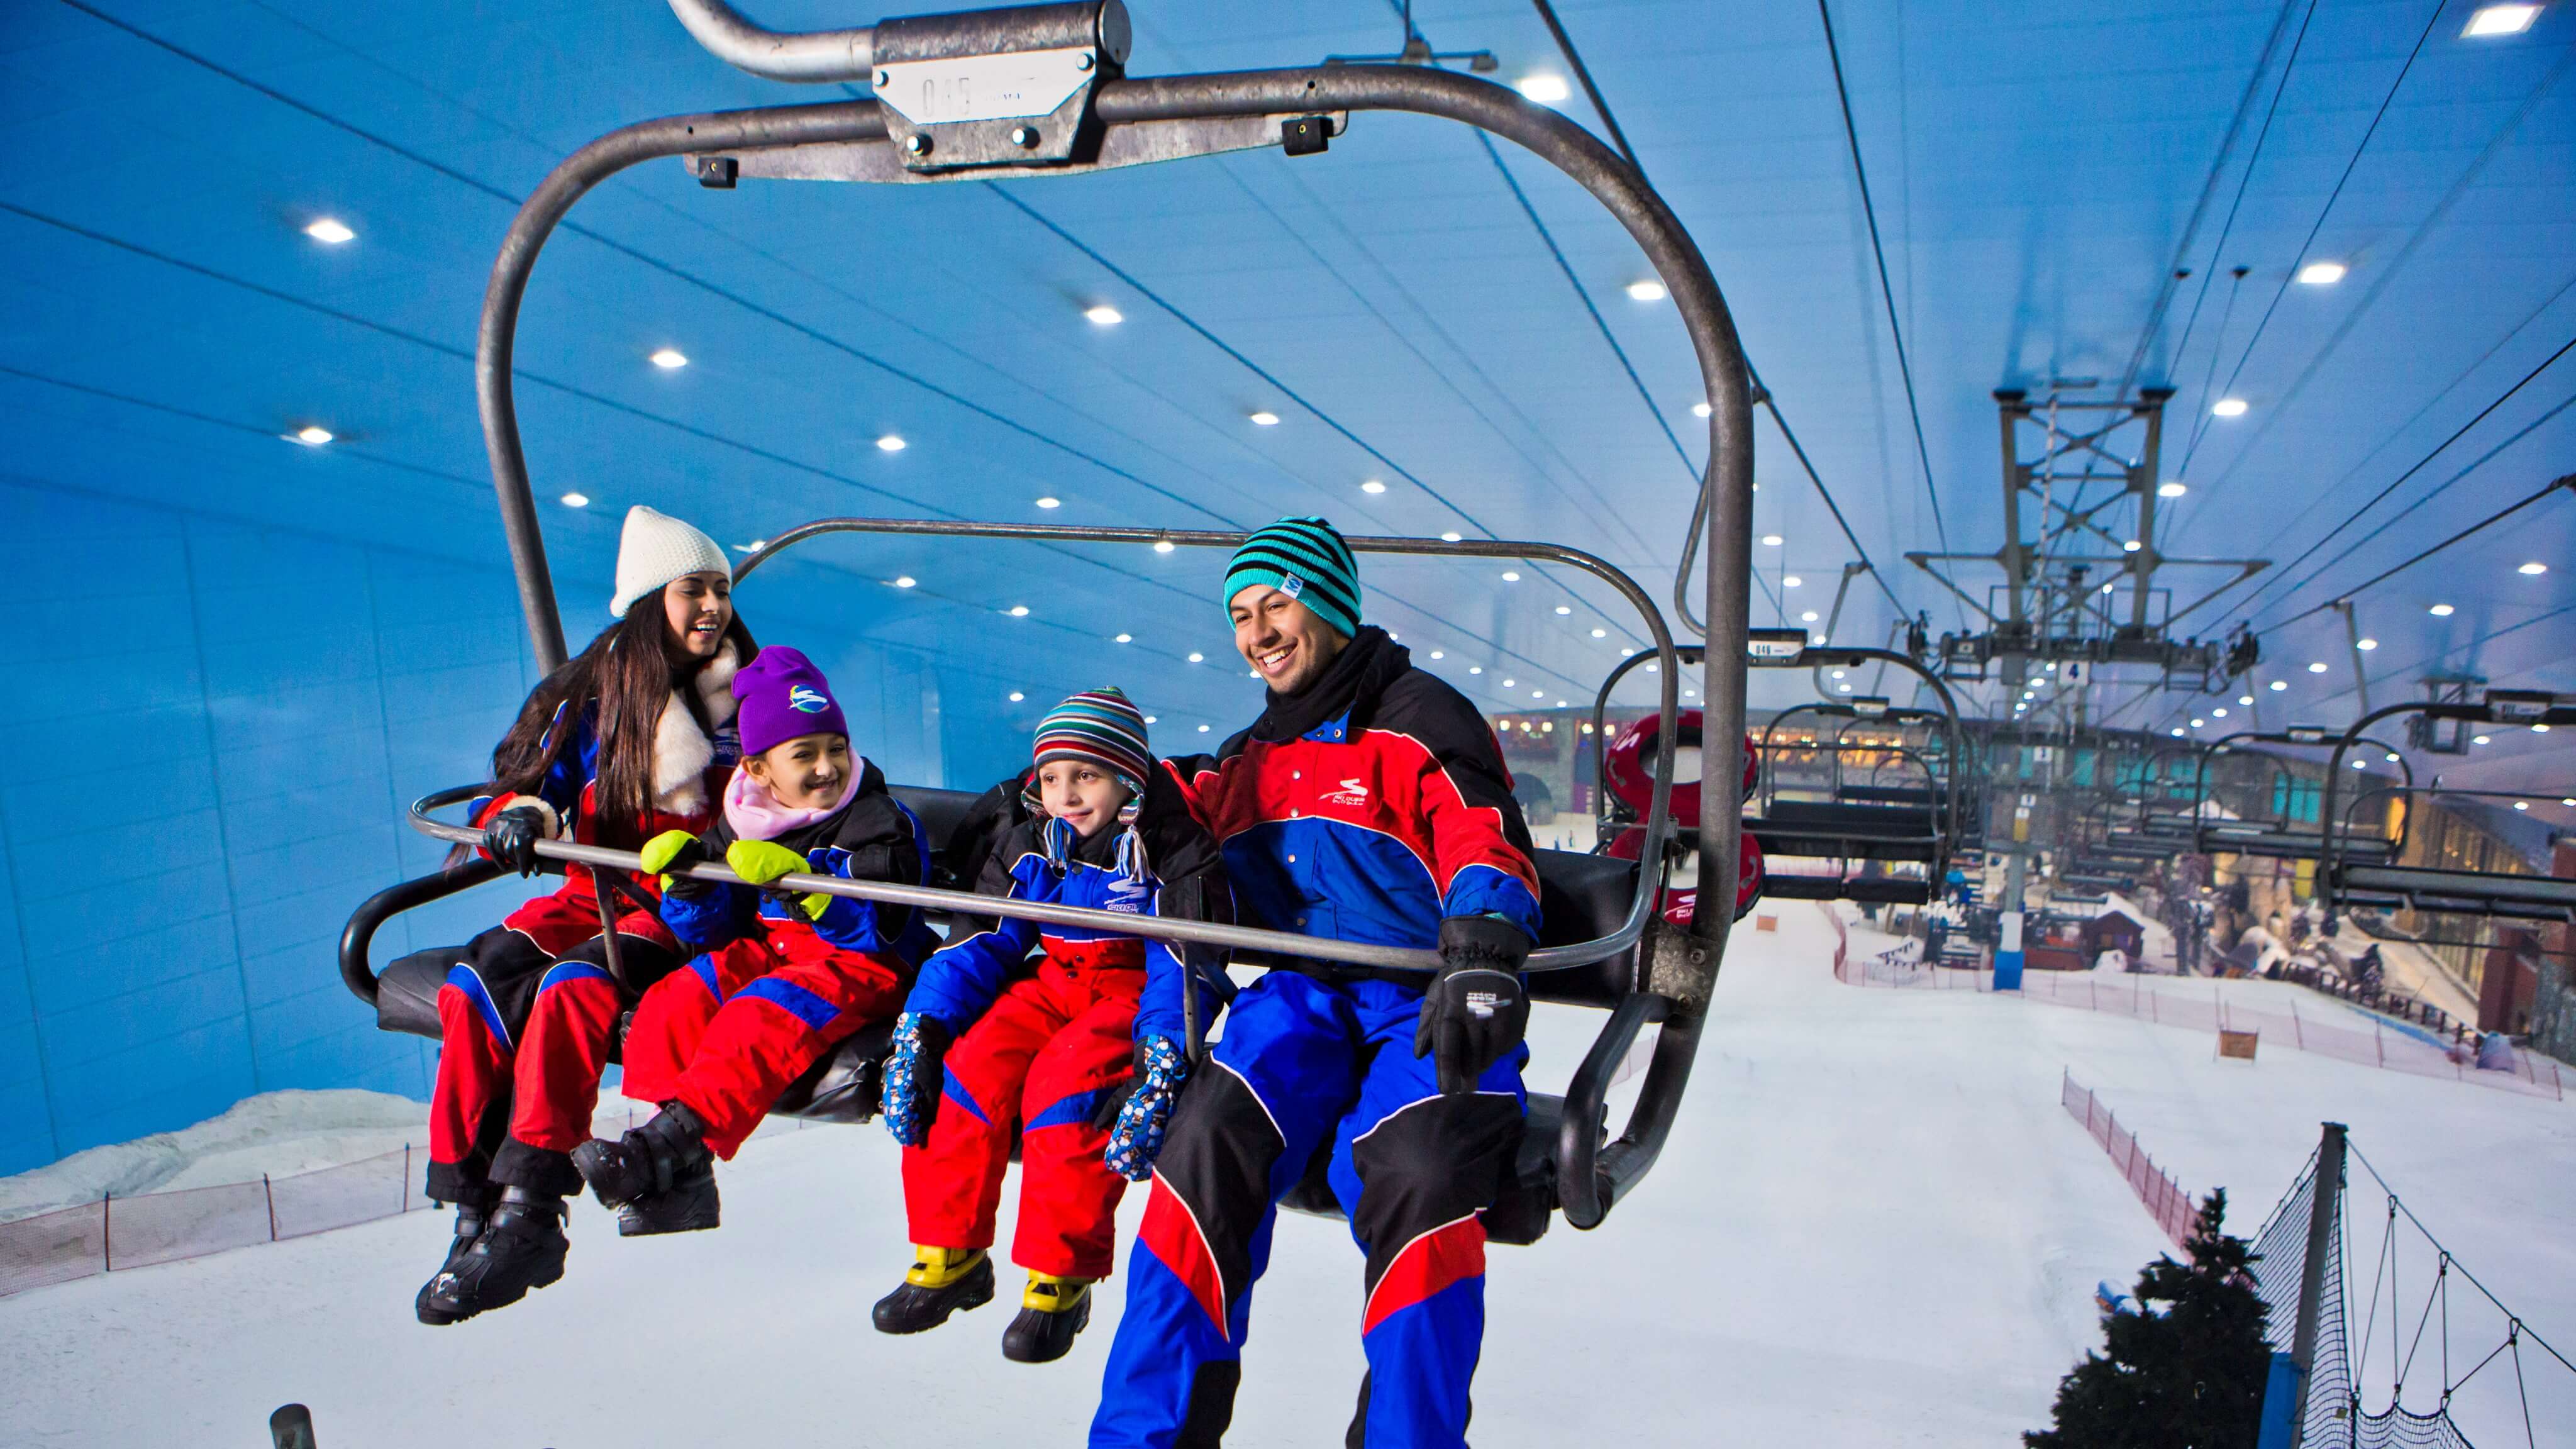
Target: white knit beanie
x=657, y=548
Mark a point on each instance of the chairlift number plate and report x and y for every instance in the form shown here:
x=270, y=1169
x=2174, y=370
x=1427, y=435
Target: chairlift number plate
x=984, y=87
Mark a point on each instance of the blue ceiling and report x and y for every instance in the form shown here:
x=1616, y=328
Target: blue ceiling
x=2039, y=172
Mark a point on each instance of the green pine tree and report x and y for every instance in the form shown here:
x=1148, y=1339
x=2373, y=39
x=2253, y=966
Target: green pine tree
x=2185, y=1368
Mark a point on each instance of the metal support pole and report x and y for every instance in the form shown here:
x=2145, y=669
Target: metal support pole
x=2324, y=1215
x=2142, y=564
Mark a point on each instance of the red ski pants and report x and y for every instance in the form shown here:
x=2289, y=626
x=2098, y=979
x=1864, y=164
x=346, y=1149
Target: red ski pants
x=527, y=1019
x=727, y=1035
x=1040, y=1060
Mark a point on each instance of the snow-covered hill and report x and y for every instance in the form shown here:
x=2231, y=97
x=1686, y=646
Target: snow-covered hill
x=1874, y=1226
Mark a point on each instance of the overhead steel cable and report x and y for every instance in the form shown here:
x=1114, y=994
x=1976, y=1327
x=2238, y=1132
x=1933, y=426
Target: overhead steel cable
x=2247, y=603
x=1886, y=291
x=1761, y=391
x=2567, y=482
x=2227, y=228
x=2200, y=429
x=2175, y=271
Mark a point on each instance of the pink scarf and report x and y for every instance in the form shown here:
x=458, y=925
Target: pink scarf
x=755, y=814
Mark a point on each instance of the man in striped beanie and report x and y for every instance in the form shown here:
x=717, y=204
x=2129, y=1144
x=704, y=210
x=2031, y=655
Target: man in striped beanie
x=1083, y=1054
x=1369, y=802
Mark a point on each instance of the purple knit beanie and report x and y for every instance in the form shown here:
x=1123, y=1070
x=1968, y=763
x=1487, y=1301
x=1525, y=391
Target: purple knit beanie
x=783, y=695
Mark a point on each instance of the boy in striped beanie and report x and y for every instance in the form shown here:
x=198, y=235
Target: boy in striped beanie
x=1081, y=1048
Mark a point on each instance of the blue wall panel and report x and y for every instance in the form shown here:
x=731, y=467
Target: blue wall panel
x=202, y=771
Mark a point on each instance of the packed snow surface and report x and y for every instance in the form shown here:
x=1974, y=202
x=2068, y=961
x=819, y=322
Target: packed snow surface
x=1873, y=1226
x=276, y=1133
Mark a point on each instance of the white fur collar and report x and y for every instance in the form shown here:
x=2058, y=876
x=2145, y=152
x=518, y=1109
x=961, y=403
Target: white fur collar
x=681, y=751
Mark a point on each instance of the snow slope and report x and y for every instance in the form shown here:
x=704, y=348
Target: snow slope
x=1873, y=1226
x=278, y=1133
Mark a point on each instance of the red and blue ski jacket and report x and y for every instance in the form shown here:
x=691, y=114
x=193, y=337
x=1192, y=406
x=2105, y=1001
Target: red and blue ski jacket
x=1165, y=865
x=871, y=837
x=1367, y=808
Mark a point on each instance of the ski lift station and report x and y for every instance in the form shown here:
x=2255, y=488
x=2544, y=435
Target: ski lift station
x=1843, y=723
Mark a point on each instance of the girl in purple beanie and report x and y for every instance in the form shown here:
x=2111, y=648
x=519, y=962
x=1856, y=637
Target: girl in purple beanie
x=780, y=977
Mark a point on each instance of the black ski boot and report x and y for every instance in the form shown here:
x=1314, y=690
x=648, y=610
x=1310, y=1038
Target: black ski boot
x=1053, y=1311
x=942, y=1281
x=472, y=1214
x=520, y=1248
x=660, y=1177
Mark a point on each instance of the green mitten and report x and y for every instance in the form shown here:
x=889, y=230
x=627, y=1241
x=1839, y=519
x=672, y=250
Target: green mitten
x=665, y=848
x=759, y=862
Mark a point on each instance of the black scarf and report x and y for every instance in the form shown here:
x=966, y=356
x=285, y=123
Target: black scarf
x=1355, y=678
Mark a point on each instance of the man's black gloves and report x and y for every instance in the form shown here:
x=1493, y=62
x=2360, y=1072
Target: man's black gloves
x=1475, y=1011
x=511, y=838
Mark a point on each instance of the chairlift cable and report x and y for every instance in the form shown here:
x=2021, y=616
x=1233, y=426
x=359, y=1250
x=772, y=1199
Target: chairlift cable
x=2290, y=274
x=1887, y=293
x=1762, y=393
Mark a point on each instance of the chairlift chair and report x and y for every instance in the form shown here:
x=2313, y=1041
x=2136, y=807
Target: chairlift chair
x=1605, y=947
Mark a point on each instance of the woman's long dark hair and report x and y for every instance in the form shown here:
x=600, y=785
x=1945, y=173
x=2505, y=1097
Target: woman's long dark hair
x=629, y=669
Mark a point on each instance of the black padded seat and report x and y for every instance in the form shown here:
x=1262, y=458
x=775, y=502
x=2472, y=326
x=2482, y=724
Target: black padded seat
x=1814, y=828
x=1865, y=890
x=2458, y=892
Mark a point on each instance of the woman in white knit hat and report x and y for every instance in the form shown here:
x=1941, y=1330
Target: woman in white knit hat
x=633, y=738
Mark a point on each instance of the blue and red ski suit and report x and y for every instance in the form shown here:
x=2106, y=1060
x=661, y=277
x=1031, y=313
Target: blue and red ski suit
x=770, y=990
x=1368, y=808
x=528, y=1013
x=1042, y=1042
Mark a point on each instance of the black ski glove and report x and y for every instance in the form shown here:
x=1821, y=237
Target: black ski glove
x=1475, y=1011
x=511, y=838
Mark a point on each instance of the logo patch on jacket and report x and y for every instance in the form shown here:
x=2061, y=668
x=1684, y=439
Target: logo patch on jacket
x=1353, y=793
x=806, y=700
x=1126, y=896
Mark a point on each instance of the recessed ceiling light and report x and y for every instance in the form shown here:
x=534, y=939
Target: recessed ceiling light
x=1372, y=486
x=312, y=435
x=2229, y=407
x=1792, y=581
x=2172, y=488
x=1016, y=696
x=2540, y=729
x=1600, y=633
x=2365, y=644
x=576, y=500
x=905, y=582
x=2392, y=757
x=2441, y=611
x=2361, y=764
x=1475, y=669
x=1838, y=674
x=1565, y=608
x=2321, y=274
x=1511, y=576
x=1126, y=638
x=2244, y=699
x=2521, y=804
x=755, y=546
x=891, y=444
x=1808, y=617
x=1772, y=540
x=1511, y=684
x=669, y=359
x=1050, y=502
x=1265, y=419
x=1203, y=729
x=330, y=231
x=2480, y=740
x=1645, y=291
x=2316, y=667
x=1436, y=654
x=1701, y=410
x=1538, y=694
x=1543, y=87
x=2534, y=568
x=2129, y=545
x=1153, y=718
x=1019, y=611
x=2218, y=713
x=1163, y=545
x=2488, y=21
x=1450, y=537
x=1101, y=314
x=2279, y=684
x=2200, y=724
x=1197, y=658
x=2177, y=729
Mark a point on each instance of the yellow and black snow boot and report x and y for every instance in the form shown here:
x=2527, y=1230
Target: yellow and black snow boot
x=942, y=1281
x=1052, y=1311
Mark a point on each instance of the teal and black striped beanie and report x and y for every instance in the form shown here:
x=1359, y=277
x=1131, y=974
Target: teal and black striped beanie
x=1306, y=560
x=1101, y=727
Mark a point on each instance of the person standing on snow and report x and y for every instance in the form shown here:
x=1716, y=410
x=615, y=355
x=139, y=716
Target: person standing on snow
x=632, y=738
x=1368, y=803
x=779, y=978
x=1080, y=1049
